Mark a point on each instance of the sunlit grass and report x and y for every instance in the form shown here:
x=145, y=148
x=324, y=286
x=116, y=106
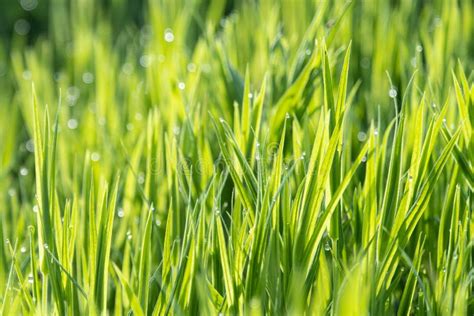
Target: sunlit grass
x=279, y=157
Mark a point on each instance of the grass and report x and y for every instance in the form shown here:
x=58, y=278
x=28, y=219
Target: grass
x=239, y=157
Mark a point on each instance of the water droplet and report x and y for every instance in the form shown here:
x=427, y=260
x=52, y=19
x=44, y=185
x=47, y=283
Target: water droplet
x=26, y=75
x=327, y=246
x=23, y=171
x=258, y=145
x=129, y=126
x=176, y=130
x=433, y=105
x=95, y=156
x=455, y=255
x=30, y=146
x=221, y=120
x=191, y=67
x=46, y=246
x=392, y=92
x=308, y=52
x=444, y=121
x=87, y=77
x=410, y=178
x=11, y=192
x=129, y=235
x=141, y=178
x=23, y=249
x=28, y=5
x=138, y=116
x=7, y=241
x=145, y=61
x=120, y=212
x=257, y=157
x=72, y=123
x=22, y=27
x=250, y=95
x=127, y=68
x=376, y=132
x=158, y=223
x=30, y=278
x=361, y=136
x=35, y=208
x=287, y=115
x=169, y=36
x=419, y=48
x=181, y=85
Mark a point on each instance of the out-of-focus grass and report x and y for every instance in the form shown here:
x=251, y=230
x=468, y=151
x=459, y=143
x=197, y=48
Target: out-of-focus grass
x=241, y=157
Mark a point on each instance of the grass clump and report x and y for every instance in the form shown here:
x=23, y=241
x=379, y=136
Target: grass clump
x=239, y=157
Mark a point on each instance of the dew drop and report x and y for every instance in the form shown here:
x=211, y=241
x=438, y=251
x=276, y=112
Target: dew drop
x=72, y=123
x=181, y=85
x=327, y=246
x=46, y=246
x=145, y=61
x=221, y=120
x=120, y=213
x=30, y=146
x=169, y=36
x=419, y=48
x=376, y=132
x=23, y=171
x=23, y=249
x=176, y=130
x=35, y=208
x=22, y=27
x=361, y=136
x=191, y=67
x=26, y=75
x=95, y=156
x=287, y=115
x=87, y=78
x=28, y=5
x=127, y=68
x=392, y=93
x=141, y=178
x=30, y=278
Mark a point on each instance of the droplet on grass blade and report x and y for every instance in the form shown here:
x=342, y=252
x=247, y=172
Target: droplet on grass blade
x=361, y=136
x=191, y=67
x=181, y=85
x=26, y=75
x=392, y=92
x=72, y=123
x=22, y=27
x=95, y=156
x=169, y=36
x=23, y=171
x=87, y=77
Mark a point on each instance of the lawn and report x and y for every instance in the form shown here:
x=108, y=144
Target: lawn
x=225, y=157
